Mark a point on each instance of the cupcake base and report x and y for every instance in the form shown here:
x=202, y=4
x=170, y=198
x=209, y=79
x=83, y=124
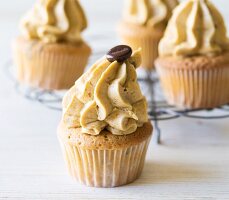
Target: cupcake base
x=199, y=82
x=49, y=66
x=143, y=37
x=105, y=160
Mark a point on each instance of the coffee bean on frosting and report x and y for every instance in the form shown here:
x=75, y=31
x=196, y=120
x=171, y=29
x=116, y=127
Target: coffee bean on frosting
x=119, y=53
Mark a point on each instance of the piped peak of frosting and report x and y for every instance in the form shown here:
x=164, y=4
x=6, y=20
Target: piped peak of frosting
x=149, y=12
x=196, y=28
x=55, y=21
x=107, y=96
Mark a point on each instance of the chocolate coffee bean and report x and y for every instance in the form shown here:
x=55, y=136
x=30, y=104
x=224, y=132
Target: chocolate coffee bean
x=119, y=53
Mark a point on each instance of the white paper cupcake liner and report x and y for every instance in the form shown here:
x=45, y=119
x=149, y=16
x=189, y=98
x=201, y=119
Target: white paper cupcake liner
x=105, y=168
x=46, y=69
x=193, y=88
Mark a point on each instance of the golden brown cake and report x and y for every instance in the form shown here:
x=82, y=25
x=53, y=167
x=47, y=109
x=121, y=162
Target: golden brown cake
x=104, y=132
x=51, y=54
x=193, y=65
x=143, y=26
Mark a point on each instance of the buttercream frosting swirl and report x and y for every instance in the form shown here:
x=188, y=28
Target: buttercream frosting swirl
x=107, y=96
x=54, y=21
x=149, y=12
x=196, y=28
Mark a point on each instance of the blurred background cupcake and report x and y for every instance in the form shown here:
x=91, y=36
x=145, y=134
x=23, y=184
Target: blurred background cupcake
x=194, y=57
x=143, y=25
x=51, y=53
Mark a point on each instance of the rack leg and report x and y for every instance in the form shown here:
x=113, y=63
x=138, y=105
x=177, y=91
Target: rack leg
x=151, y=85
x=158, y=132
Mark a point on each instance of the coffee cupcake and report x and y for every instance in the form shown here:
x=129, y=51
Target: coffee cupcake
x=105, y=132
x=50, y=53
x=194, y=57
x=143, y=25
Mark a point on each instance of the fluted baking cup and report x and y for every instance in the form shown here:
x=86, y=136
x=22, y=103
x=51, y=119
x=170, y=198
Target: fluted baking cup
x=49, y=66
x=105, y=168
x=195, y=88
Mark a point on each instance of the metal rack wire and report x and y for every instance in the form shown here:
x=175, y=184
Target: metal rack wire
x=158, y=111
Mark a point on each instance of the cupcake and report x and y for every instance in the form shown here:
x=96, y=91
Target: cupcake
x=143, y=25
x=50, y=53
x=194, y=57
x=104, y=132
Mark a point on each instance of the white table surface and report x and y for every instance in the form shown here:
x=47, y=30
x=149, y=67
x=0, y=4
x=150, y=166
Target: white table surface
x=192, y=163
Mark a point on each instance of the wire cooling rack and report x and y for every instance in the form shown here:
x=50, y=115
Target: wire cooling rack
x=158, y=111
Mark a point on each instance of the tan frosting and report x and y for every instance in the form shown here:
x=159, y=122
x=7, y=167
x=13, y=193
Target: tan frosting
x=196, y=28
x=55, y=20
x=149, y=12
x=107, y=96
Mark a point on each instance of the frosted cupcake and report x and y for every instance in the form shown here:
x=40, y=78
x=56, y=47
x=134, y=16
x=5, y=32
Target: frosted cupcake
x=105, y=132
x=143, y=25
x=51, y=53
x=194, y=57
